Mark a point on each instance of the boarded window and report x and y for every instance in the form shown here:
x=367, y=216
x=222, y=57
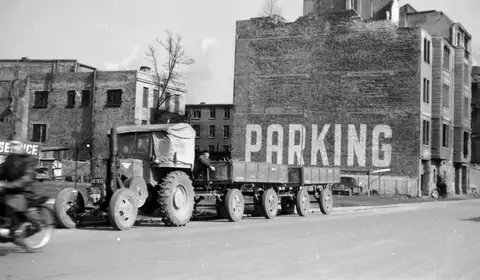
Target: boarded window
x=41, y=99
x=114, y=98
x=39, y=133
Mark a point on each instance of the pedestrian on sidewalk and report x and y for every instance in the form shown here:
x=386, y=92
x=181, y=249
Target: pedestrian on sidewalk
x=442, y=186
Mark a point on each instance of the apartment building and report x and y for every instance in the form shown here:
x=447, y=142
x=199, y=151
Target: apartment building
x=475, y=115
x=60, y=102
x=362, y=85
x=213, y=125
x=447, y=114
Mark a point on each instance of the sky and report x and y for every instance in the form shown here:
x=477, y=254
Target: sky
x=116, y=34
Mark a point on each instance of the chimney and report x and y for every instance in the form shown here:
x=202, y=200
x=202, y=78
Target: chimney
x=202, y=103
x=24, y=58
x=145, y=69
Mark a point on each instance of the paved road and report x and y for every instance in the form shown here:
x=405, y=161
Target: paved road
x=416, y=241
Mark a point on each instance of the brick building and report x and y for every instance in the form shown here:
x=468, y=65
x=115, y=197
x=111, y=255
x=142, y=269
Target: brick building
x=355, y=84
x=475, y=115
x=213, y=125
x=52, y=101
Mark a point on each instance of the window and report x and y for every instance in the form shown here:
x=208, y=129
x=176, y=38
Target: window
x=211, y=148
x=226, y=148
x=145, y=97
x=71, y=98
x=465, y=144
x=226, y=114
x=85, y=98
x=156, y=97
x=114, y=98
x=426, y=132
x=144, y=122
x=197, y=114
x=426, y=50
x=446, y=136
x=446, y=96
x=426, y=91
x=212, y=113
x=39, y=133
x=211, y=132
x=41, y=99
x=466, y=74
x=196, y=127
x=197, y=149
x=446, y=58
x=465, y=107
x=226, y=131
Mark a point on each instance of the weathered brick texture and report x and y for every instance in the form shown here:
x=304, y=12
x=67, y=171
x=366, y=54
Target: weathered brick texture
x=330, y=69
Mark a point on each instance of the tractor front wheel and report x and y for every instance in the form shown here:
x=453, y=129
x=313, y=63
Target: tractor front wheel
x=122, y=209
x=176, y=199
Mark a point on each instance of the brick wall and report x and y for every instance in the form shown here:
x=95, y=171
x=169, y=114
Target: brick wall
x=334, y=70
x=62, y=121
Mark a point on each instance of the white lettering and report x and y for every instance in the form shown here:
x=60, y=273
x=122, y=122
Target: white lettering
x=278, y=148
x=296, y=149
x=386, y=148
x=7, y=147
x=35, y=150
x=338, y=144
x=28, y=149
x=357, y=145
x=2, y=145
x=249, y=146
x=318, y=144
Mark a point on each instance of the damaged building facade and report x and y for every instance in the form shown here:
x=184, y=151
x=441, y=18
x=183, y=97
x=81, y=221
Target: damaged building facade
x=60, y=102
x=362, y=85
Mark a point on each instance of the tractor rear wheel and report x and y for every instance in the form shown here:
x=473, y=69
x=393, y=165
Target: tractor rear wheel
x=234, y=205
x=122, y=209
x=270, y=204
x=176, y=199
x=67, y=203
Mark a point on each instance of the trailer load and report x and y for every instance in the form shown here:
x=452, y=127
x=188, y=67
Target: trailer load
x=150, y=167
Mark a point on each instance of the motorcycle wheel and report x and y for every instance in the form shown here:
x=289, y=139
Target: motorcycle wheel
x=41, y=222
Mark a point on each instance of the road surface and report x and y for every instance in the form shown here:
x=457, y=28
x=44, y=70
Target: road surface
x=418, y=241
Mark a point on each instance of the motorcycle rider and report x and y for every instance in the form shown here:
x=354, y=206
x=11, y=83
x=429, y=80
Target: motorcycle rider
x=16, y=174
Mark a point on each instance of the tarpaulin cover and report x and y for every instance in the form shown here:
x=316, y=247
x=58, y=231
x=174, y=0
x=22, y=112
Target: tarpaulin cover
x=173, y=144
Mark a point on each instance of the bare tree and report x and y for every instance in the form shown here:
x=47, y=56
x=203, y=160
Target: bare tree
x=168, y=77
x=271, y=8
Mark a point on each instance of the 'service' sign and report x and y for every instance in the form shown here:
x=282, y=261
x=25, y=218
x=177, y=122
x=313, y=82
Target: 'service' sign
x=28, y=148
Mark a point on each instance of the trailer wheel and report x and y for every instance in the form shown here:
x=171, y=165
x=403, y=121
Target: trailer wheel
x=326, y=201
x=303, y=202
x=234, y=205
x=270, y=204
x=68, y=201
x=122, y=209
x=176, y=199
x=139, y=187
x=288, y=205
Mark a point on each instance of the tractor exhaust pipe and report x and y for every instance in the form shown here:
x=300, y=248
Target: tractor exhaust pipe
x=113, y=160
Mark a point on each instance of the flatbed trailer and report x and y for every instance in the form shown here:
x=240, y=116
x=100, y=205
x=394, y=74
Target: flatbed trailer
x=257, y=188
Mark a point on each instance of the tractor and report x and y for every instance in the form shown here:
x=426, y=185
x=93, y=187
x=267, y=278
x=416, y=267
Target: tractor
x=149, y=167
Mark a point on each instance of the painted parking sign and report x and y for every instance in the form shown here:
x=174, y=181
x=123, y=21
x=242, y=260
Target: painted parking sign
x=352, y=147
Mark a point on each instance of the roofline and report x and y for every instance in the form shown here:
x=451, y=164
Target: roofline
x=38, y=60
x=210, y=105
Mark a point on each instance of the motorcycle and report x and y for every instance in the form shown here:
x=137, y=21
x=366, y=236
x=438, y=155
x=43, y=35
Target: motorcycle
x=39, y=220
